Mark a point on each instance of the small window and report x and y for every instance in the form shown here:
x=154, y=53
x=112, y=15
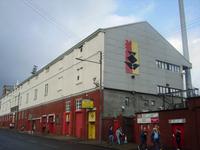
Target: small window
x=163, y=65
x=157, y=63
x=178, y=69
x=15, y=100
x=158, y=89
x=166, y=66
x=78, y=104
x=46, y=90
x=126, y=101
x=81, y=48
x=27, y=98
x=20, y=101
x=35, y=94
x=67, y=108
x=78, y=77
x=146, y=103
x=153, y=103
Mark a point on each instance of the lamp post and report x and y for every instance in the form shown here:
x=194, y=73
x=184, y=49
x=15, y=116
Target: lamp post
x=100, y=90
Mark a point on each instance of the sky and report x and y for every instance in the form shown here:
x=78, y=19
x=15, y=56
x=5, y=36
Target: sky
x=34, y=32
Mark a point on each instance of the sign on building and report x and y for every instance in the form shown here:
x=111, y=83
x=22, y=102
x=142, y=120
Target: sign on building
x=175, y=121
x=87, y=103
x=132, y=61
x=148, y=118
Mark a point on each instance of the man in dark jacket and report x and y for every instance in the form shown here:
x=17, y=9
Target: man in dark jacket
x=143, y=138
x=111, y=135
x=178, y=138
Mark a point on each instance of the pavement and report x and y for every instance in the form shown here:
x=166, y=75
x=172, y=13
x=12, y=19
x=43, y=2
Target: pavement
x=127, y=146
x=70, y=139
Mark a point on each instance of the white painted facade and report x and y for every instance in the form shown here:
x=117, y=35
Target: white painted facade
x=61, y=78
x=67, y=76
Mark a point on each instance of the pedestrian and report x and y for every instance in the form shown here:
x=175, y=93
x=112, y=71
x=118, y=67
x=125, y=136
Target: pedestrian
x=178, y=138
x=119, y=134
x=143, y=138
x=110, y=135
x=155, y=137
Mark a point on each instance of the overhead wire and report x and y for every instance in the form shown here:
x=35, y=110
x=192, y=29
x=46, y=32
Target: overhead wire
x=46, y=17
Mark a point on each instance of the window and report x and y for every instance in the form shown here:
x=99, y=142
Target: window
x=167, y=66
x=67, y=108
x=167, y=89
x=153, y=103
x=20, y=101
x=27, y=98
x=78, y=77
x=35, y=94
x=46, y=89
x=15, y=100
x=81, y=48
x=126, y=101
x=146, y=103
x=78, y=104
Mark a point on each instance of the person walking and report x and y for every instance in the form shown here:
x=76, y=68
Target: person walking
x=143, y=139
x=155, y=137
x=119, y=135
x=111, y=135
x=178, y=138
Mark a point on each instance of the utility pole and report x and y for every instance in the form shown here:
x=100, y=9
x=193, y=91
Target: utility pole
x=188, y=79
x=100, y=91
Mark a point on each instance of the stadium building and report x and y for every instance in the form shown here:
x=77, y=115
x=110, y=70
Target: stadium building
x=113, y=72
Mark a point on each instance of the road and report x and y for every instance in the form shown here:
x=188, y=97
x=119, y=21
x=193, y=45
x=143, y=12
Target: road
x=10, y=140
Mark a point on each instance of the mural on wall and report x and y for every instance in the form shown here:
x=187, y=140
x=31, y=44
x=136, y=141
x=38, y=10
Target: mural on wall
x=132, y=61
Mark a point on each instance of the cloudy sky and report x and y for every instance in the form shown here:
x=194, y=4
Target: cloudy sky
x=34, y=32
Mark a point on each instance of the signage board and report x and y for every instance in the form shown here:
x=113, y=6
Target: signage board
x=92, y=116
x=175, y=121
x=148, y=118
x=87, y=103
x=150, y=115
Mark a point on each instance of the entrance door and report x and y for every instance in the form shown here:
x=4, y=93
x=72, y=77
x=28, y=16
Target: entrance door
x=91, y=125
x=51, y=124
x=179, y=127
x=79, y=124
x=67, y=124
x=91, y=130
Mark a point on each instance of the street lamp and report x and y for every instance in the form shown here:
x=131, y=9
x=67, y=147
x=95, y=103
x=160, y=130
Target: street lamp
x=100, y=90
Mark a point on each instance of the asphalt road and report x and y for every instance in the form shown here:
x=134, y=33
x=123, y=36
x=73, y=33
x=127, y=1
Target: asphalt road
x=10, y=140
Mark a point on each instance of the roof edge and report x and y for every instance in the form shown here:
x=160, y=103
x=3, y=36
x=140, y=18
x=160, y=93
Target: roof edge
x=60, y=57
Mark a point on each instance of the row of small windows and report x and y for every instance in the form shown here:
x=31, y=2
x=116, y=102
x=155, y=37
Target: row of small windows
x=35, y=95
x=78, y=105
x=166, y=90
x=167, y=66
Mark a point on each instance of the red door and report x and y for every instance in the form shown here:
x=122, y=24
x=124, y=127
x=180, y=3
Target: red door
x=116, y=126
x=175, y=128
x=79, y=124
x=51, y=124
x=67, y=128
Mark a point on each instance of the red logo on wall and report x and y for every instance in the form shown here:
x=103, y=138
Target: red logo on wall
x=131, y=57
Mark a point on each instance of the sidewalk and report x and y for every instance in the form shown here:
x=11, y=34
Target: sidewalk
x=128, y=146
x=70, y=139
